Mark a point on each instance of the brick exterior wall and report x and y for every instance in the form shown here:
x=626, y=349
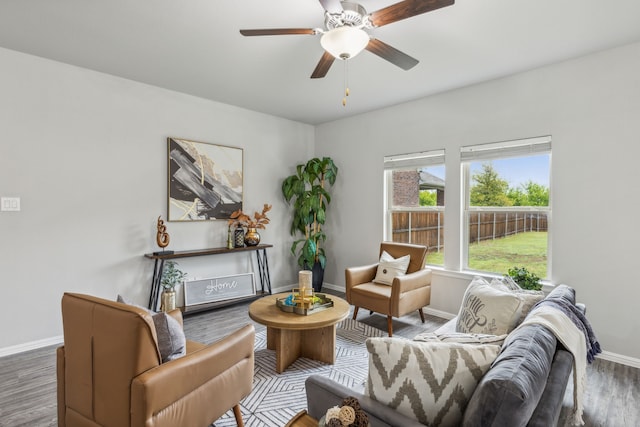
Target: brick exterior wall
x=406, y=190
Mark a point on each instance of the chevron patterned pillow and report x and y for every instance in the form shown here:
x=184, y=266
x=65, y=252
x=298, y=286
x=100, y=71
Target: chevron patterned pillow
x=430, y=382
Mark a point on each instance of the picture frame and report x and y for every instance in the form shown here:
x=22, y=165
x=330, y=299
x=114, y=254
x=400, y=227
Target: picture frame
x=205, y=180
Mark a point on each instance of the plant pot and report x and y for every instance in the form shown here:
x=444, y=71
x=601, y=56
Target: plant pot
x=317, y=276
x=168, y=300
x=252, y=238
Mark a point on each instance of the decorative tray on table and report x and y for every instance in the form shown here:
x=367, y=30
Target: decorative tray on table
x=314, y=304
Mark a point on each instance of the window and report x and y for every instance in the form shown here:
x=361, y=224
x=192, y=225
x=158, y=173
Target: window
x=414, y=201
x=507, y=206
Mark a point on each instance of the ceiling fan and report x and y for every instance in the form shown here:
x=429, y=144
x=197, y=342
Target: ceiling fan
x=345, y=35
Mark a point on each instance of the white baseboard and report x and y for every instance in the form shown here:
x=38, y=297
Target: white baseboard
x=439, y=313
x=33, y=345
x=289, y=287
x=333, y=287
x=282, y=289
x=619, y=358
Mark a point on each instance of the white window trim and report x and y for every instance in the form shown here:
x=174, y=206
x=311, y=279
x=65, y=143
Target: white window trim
x=400, y=162
x=493, y=151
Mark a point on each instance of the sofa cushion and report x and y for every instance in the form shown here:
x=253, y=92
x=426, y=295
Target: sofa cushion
x=529, y=298
x=487, y=310
x=510, y=391
x=429, y=382
x=390, y=267
x=172, y=342
x=549, y=407
x=565, y=292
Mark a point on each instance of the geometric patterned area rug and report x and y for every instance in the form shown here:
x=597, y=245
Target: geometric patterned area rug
x=276, y=398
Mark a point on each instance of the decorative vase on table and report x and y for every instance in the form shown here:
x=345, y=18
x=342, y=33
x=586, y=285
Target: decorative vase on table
x=168, y=300
x=238, y=237
x=230, y=240
x=317, y=276
x=252, y=238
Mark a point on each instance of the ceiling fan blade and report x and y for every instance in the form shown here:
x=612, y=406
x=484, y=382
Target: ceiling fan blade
x=406, y=9
x=277, y=31
x=323, y=66
x=331, y=6
x=391, y=54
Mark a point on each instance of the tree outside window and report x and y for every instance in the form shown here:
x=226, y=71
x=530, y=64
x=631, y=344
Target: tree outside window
x=507, y=212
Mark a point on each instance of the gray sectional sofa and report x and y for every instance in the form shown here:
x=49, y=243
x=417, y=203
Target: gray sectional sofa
x=525, y=386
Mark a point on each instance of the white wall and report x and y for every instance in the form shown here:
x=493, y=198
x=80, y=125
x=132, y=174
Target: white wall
x=86, y=153
x=590, y=106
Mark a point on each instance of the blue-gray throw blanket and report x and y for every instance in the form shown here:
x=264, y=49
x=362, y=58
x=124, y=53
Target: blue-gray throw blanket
x=578, y=318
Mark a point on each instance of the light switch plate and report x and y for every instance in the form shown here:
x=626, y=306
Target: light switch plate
x=10, y=204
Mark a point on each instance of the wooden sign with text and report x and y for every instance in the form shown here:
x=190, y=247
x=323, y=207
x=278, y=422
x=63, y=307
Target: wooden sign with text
x=202, y=291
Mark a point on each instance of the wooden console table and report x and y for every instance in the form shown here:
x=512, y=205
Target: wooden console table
x=160, y=258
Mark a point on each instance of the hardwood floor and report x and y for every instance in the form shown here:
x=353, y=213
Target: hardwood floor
x=28, y=380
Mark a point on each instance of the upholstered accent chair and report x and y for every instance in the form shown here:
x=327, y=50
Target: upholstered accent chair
x=110, y=371
x=406, y=293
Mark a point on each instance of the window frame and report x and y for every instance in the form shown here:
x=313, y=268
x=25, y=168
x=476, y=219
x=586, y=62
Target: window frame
x=408, y=162
x=519, y=148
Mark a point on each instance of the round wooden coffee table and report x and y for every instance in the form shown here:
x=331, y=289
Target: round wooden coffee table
x=294, y=335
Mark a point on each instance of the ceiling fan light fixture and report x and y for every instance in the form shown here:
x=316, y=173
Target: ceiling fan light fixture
x=344, y=42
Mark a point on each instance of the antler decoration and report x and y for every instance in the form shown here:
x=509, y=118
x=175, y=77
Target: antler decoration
x=162, y=238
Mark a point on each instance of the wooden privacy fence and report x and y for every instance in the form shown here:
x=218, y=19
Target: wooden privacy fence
x=419, y=227
x=489, y=225
x=426, y=227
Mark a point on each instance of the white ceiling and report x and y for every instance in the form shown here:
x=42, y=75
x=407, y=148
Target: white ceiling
x=193, y=46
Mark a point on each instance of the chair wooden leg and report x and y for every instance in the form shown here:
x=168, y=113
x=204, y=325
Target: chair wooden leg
x=421, y=314
x=355, y=312
x=390, y=325
x=238, y=414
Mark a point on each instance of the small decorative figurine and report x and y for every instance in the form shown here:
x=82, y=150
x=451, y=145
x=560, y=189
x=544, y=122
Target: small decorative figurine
x=230, y=239
x=162, y=237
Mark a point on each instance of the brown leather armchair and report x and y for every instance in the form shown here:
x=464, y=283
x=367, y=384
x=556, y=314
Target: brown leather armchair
x=110, y=372
x=406, y=294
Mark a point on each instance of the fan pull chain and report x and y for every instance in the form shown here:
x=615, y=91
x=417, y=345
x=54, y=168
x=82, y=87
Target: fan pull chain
x=346, y=84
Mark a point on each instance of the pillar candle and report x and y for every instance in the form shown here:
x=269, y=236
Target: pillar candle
x=304, y=281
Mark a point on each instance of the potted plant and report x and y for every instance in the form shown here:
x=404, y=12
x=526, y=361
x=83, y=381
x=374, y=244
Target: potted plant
x=171, y=276
x=307, y=191
x=525, y=279
x=259, y=220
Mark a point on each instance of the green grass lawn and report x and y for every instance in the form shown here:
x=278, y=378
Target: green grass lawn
x=527, y=250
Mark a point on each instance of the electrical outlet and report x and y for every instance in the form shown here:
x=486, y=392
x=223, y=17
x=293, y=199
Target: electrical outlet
x=10, y=204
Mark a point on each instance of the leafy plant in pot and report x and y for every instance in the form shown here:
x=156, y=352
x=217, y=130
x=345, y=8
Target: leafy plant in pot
x=171, y=276
x=525, y=279
x=307, y=190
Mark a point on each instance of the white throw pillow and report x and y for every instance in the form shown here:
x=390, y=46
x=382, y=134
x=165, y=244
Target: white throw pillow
x=429, y=382
x=488, y=310
x=390, y=267
x=529, y=298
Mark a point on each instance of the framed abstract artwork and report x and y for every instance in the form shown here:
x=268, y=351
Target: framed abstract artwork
x=205, y=180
